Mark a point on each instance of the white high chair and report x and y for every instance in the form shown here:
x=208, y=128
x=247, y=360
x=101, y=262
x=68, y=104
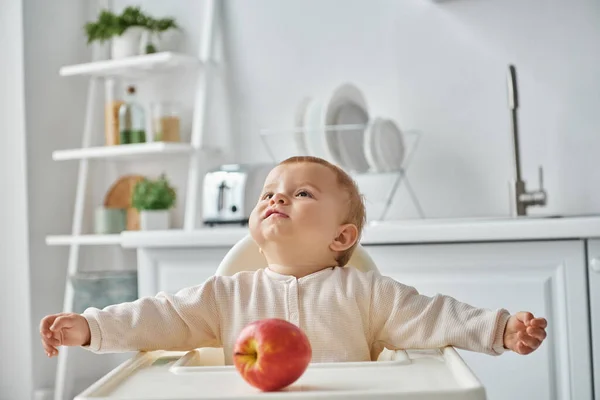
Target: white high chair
x=201, y=374
x=245, y=256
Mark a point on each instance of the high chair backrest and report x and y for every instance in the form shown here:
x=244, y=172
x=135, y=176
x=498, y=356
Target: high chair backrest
x=245, y=256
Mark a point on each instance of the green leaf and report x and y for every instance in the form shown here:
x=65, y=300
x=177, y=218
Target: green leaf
x=153, y=194
x=103, y=29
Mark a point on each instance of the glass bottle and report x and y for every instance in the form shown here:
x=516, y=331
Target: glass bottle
x=132, y=120
x=111, y=116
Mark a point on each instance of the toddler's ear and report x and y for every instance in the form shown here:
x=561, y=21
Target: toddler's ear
x=346, y=237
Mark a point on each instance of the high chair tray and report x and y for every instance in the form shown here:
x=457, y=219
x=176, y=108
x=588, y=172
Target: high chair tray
x=414, y=374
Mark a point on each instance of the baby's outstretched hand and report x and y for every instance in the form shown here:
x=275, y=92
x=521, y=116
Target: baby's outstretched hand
x=64, y=329
x=524, y=333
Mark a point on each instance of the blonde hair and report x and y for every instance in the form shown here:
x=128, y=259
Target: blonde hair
x=356, y=213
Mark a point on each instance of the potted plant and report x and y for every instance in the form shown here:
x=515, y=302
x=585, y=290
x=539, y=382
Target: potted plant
x=130, y=27
x=125, y=31
x=153, y=199
x=155, y=27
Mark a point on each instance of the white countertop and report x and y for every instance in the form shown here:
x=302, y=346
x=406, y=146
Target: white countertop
x=400, y=232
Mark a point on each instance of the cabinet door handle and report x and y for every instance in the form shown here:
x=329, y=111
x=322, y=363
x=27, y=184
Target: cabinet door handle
x=595, y=265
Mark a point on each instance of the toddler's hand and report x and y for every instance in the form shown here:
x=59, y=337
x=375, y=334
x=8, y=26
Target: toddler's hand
x=64, y=329
x=524, y=333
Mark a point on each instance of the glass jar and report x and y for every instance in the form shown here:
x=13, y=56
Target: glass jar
x=166, y=118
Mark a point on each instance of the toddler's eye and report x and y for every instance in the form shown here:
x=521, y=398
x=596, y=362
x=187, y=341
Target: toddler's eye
x=266, y=196
x=303, y=193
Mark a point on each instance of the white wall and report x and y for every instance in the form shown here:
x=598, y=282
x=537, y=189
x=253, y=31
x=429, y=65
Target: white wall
x=438, y=67
x=16, y=331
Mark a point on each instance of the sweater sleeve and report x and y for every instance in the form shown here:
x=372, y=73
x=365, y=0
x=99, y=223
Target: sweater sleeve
x=183, y=321
x=401, y=318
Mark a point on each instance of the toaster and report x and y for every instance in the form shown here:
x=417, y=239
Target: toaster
x=231, y=191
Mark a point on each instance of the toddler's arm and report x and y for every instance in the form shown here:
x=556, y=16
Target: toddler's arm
x=402, y=318
x=186, y=320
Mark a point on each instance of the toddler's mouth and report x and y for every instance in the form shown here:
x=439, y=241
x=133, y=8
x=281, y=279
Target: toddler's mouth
x=275, y=213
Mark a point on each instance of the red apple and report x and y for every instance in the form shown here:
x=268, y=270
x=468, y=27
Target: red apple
x=271, y=354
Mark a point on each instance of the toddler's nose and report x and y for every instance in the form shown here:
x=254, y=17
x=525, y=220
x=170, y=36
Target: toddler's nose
x=279, y=198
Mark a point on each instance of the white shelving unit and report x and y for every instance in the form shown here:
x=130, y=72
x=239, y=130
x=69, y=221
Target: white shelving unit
x=88, y=240
x=132, y=67
x=125, y=152
x=139, y=68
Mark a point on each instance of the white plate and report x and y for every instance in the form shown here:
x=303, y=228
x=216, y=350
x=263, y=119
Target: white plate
x=391, y=145
x=346, y=106
x=314, y=130
x=384, y=145
x=369, y=145
x=299, y=136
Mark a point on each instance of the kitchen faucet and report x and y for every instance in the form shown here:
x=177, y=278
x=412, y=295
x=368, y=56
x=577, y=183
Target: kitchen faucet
x=520, y=198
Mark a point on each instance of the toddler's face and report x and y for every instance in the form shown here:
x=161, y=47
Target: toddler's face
x=302, y=206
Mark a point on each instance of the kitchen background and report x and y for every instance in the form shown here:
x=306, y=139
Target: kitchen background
x=435, y=66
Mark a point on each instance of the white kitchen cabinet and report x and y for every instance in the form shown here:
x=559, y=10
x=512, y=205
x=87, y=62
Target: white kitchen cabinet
x=172, y=269
x=594, y=290
x=547, y=278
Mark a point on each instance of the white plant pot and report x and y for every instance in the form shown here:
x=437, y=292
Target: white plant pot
x=128, y=44
x=154, y=220
x=101, y=51
x=147, y=38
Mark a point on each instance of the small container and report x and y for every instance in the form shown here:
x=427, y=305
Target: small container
x=103, y=288
x=154, y=220
x=166, y=117
x=109, y=220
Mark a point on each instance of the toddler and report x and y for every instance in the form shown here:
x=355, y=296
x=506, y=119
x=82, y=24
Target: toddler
x=306, y=223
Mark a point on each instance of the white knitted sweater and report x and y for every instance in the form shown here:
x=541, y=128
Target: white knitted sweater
x=347, y=315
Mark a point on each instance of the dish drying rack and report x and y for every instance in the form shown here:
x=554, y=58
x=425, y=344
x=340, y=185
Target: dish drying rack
x=289, y=146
